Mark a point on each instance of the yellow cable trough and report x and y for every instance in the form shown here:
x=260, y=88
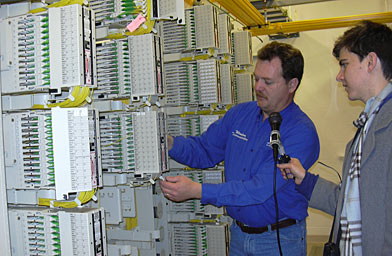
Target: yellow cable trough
x=317, y=24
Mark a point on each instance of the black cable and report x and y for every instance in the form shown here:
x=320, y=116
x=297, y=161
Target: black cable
x=261, y=40
x=340, y=178
x=277, y=208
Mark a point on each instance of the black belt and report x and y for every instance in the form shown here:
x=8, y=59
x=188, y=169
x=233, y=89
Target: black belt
x=250, y=230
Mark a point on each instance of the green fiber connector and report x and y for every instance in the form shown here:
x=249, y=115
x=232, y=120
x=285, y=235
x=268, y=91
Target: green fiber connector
x=56, y=229
x=129, y=10
x=55, y=222
x=57, y=251
x=128, y=5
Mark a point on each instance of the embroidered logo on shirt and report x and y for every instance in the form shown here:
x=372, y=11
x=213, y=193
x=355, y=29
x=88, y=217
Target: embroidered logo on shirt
x=239, y=135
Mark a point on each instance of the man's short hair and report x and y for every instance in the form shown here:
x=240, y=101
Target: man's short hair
x=367, y=37
x=290, y=57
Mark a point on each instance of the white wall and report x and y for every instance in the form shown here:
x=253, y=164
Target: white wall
x=319, y=95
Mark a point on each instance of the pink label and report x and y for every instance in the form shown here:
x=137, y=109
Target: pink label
x=135, y=24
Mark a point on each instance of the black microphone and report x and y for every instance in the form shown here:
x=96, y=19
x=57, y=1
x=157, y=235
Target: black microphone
x=275, y=120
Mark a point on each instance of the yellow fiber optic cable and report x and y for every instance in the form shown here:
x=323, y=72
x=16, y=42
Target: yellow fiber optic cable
x=84, y=93
x=199, y=57
x=58, y=4
x=79, y=97
x=68, y=102
x=113, y=143
x=82, y=197
x=74, y=92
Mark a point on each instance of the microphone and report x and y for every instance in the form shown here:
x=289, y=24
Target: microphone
x=275, y=120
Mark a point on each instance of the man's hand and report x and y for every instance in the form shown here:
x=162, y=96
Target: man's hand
x=180, y=188
x=293, y=169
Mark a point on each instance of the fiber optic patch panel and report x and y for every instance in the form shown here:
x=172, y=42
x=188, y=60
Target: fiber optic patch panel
x=79, y=231
x=182, y=85
x=178, y=38
x=227, y=82
x=206, y=26
x=117, y=11
x=56, y=150
x=146, y=65
x=244, y=87
x=192, y=125
x=168, y=10
x=242, y=48
x=199, y=32
x=51, y=57
x=134, y=142
x=225, y=31
x=190, y=228
x=210, y=89
x=193, y=82
x=130, y=69
x=49, y=50
x=183, y=126
x=190, y=29
x=150, y=142
x=183, y=38
x=113, y=68
x=206, y=121
x=173, y=36
x=117, y=142
x=198, y=239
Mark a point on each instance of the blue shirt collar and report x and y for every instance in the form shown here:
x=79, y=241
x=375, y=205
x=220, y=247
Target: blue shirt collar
x=282, y=113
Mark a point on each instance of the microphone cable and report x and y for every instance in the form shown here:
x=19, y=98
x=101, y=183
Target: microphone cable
x=277, y=208
x=275, y=120
x=330, y=167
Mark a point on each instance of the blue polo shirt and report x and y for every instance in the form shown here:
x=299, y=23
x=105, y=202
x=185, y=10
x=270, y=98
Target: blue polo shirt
x=240, y=138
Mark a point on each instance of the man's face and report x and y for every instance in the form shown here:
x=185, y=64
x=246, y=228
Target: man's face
x=352, y=75
x=272, y=92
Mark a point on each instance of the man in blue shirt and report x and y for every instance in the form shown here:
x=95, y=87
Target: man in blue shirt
x=241, y=139
x=363, y=201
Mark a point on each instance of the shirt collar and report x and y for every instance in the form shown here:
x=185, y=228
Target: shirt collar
x=282, y=113
x=374, y=102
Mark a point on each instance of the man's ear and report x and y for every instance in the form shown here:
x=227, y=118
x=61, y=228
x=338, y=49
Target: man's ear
x=372, y=60
x=293, y=84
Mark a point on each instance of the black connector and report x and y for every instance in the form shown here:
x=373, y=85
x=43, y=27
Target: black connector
x=284, y=159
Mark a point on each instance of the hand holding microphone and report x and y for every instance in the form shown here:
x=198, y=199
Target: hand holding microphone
x=293, y=169
x=290, y=168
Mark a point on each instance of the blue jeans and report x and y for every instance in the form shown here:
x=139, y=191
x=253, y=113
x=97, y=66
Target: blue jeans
x=292, y=241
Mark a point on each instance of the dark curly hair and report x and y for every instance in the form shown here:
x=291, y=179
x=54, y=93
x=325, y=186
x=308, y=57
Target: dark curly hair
x=291, y=58
x=367, y=37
